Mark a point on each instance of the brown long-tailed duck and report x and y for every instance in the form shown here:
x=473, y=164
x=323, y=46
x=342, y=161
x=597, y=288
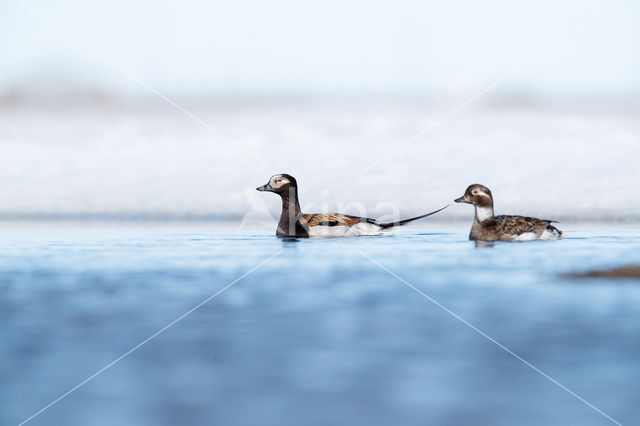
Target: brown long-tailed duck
x=294, y=223
x=487, y=227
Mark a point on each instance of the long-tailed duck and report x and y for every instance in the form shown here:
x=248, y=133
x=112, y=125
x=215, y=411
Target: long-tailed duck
x=293, y=223
x=487, y=227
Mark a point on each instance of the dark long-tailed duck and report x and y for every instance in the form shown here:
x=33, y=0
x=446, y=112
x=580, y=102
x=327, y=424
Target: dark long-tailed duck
x=487, y=227
x=294, y=223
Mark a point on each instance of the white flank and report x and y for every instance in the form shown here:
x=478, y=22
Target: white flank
x=364, y=228
x=527, y=236
x=328, y=231
x=547, y=234
x=359, y=229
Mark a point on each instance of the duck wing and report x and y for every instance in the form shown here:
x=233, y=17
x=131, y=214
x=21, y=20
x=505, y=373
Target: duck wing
x=518, y=225
x=332, y=219
x=336, y=219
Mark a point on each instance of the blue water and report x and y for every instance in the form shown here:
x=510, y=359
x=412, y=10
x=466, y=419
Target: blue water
x=319, y=334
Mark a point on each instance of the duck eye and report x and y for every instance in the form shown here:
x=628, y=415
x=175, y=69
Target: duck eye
x=278, y=180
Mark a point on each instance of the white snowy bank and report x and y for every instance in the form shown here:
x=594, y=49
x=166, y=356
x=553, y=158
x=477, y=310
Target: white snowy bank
x=156, y=162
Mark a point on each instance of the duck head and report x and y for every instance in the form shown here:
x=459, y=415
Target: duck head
x=280, y=184
x=477, y=195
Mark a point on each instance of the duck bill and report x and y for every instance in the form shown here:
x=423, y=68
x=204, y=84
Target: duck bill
x=462, y=199
x=265, y=188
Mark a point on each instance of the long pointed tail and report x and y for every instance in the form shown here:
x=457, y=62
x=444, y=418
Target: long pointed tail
x=405, y=221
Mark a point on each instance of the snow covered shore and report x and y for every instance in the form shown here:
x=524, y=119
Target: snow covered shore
x=155, y=162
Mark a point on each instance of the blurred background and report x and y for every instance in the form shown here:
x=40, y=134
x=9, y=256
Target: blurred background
x=133, y=135
x=165, y=110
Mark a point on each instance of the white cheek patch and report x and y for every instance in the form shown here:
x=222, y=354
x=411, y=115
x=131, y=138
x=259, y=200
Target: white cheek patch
x=275, y=184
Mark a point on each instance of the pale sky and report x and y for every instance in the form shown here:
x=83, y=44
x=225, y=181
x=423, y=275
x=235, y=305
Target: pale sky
x=201, y=48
